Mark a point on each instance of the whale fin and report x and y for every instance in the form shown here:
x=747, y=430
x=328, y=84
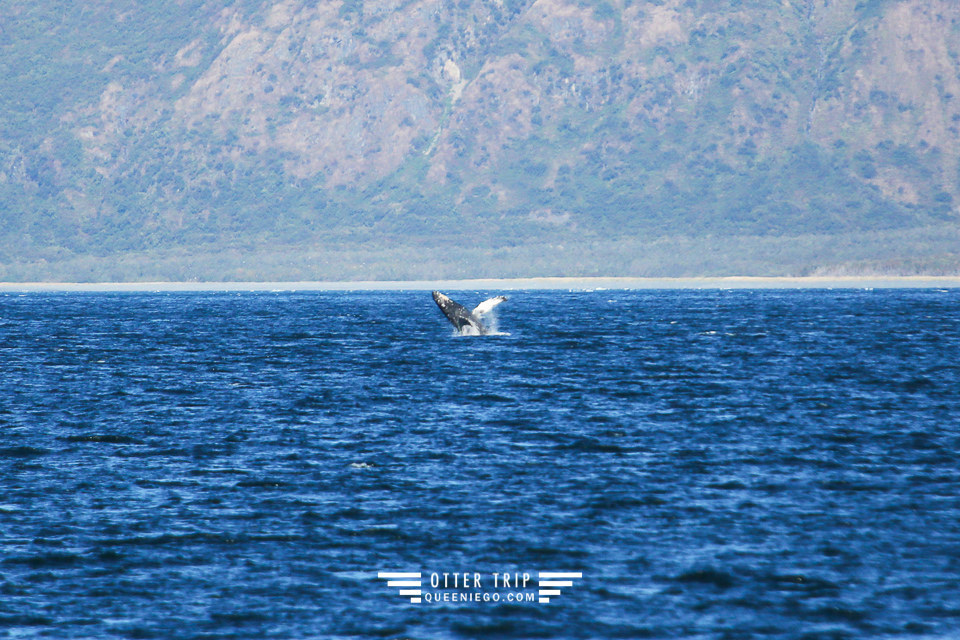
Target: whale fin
x=487, y=305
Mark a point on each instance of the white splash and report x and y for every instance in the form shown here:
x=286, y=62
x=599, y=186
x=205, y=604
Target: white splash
x=486, y=312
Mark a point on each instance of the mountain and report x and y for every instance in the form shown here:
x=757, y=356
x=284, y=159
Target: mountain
x=212, y=140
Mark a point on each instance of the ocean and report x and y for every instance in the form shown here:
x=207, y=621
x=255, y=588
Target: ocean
x=771, y=464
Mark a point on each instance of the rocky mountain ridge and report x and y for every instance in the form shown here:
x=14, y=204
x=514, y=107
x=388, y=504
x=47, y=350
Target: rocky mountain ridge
x=534, y=129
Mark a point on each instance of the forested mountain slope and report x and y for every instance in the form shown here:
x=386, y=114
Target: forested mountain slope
x=431, y=138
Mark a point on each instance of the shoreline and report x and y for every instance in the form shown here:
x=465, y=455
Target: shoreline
x=575, y=283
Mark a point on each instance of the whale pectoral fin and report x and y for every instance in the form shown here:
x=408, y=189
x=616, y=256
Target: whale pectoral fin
x=487, y=305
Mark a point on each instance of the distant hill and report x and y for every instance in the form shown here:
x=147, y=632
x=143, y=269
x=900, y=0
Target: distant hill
x=210, y=139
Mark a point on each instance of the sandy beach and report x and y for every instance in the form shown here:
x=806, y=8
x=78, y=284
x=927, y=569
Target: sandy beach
x=506, y=284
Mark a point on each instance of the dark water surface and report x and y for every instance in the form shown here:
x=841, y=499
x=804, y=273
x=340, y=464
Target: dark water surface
x=716, y=464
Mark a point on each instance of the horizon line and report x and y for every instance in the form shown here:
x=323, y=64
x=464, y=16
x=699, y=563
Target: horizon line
x=540, y=282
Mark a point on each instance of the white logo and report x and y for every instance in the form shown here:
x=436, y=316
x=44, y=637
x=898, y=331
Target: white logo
x=553, y=579
x=474, y=587
x=409, y=583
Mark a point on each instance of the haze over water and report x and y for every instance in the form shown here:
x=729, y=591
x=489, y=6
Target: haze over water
x=716, y=464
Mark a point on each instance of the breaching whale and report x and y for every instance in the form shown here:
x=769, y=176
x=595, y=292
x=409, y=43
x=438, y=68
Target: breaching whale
x=467, y=322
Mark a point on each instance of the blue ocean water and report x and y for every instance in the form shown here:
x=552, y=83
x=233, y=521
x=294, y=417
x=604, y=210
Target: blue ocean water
x=714, y=464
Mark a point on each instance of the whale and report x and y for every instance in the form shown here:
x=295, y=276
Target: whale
x=466, y=321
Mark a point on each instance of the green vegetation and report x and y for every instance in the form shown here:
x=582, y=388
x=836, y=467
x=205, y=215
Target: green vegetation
x=241, y=140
